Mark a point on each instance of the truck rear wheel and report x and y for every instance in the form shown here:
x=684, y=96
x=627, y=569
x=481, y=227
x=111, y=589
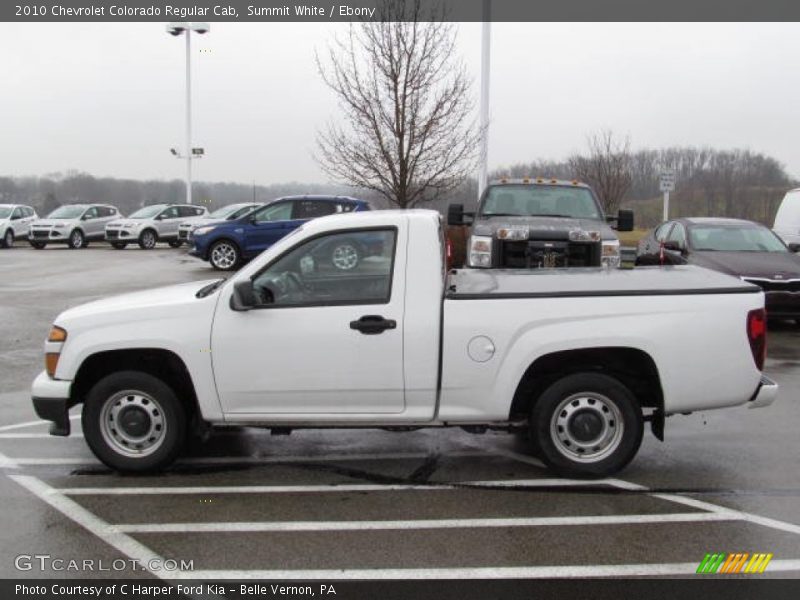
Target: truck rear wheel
x=134, y=422
x=586, y=425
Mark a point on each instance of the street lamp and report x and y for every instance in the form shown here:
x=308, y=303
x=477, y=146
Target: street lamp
x=177, y=29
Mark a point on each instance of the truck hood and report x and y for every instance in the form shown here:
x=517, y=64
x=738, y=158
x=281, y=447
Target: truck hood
x=146, y=302
x=769, y=265
x=543, y=228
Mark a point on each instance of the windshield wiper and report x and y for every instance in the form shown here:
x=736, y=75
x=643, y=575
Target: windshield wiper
x=209, y=289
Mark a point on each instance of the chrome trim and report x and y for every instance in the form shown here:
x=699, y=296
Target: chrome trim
x=765, y=395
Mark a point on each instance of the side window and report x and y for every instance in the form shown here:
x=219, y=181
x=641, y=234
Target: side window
x=345, y=207
x=173, y=212
x=107, y=211
x=275, y=212
x=353, y=267
x=187, y=211
x=91, y=213
x=662, y=231
x=678, y=234
x=311, y=209
x=240, y=213
x=17, y=214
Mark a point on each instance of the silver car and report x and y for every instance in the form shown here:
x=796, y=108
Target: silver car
x=15, y=223
x=150, y=225
x=226, y=213
x=73, y=224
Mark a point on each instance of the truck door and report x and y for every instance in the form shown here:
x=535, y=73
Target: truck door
x=321, y=340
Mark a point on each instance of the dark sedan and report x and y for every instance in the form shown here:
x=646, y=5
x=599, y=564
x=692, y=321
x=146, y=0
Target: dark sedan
x=740, y=248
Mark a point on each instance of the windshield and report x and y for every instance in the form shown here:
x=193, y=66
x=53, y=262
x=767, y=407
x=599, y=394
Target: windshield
x=226, y=211
x=147, y=212
x=734, y=239
x=5, y=211
x=540, y=200
x=67, y=212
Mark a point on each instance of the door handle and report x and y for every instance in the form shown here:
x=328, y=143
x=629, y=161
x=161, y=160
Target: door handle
x=373, y=324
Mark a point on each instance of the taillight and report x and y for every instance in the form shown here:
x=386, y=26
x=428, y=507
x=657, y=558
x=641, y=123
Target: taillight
x=757, y=336
x=448, y=252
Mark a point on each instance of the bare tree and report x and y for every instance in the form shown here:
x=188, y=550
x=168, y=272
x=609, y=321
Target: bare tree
x=407, y=129
x=607, y=168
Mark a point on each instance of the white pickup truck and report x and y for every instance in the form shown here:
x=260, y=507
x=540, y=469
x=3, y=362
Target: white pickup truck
x=582, y=357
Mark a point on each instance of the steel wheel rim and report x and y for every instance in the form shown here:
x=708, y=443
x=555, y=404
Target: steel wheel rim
x=77, y=239
x=120, y=438
x=599, y=410
x=149, y=239
x=223, y=255
x=345, y=257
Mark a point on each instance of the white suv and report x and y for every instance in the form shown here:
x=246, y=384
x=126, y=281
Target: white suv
x=15, y=222
x=72, y=224
x=152, y=224
x=226, y=213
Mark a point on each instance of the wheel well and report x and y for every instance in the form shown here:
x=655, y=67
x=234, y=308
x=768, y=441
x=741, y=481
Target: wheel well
x=160, y=363
x=223, y=239
x=634, y=368
x=153, y=229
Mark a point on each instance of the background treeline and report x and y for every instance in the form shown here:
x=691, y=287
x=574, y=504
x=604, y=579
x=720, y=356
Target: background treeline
x=709, y=182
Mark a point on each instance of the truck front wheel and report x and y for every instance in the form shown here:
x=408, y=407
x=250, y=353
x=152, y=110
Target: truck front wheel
x=586, y=425
x=134, y=422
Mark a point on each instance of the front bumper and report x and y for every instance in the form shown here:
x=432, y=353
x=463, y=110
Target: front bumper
x=765, y=394
x=51, y=401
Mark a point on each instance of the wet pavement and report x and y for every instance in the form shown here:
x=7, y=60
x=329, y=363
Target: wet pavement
x=369, y=503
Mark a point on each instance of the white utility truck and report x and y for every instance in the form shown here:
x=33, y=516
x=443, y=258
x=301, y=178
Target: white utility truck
x=583, y=357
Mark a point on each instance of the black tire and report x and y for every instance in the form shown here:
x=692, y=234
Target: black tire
x=148, y=239
x=76, y=239
x=346, y=255
x=599, y=442
x=224, y=255
x=8, y=239
x=37, y=245
x=119, y=245
x=140, y=394
x=175, y=243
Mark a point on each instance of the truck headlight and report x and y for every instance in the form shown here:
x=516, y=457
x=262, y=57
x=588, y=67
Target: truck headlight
x=581, y=235
x=53, y=346
x=610, y=256
x=480, y=251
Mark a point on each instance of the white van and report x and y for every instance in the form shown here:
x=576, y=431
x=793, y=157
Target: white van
x=787, y=220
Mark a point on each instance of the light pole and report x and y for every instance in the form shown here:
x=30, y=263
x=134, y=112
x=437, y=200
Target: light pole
x=177, y=29
x=483, y=173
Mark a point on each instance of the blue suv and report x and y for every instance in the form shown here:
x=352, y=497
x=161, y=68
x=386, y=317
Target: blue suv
x=227, y=244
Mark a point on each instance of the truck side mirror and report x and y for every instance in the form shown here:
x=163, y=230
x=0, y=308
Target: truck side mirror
x=455, y=214
x=243, y=297
x=672, y=246
x=625, y=220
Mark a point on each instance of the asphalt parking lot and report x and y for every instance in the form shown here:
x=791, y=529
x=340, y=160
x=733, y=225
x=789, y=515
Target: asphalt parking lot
x=374, y=504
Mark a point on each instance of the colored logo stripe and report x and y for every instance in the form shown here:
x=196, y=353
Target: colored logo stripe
x=737, y=562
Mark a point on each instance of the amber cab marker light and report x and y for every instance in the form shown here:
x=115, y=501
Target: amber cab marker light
x=57, y=335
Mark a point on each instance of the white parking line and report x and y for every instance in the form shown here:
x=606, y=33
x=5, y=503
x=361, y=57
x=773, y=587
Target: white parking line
x=91, y=522
x=345, y=487
x=27, y=424
x=225, y=460
x=539, y=572
x=26, y=436
x=295, y=526
x=735, y=514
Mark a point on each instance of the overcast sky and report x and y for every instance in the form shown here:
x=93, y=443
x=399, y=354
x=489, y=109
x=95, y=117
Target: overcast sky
x=108, y=99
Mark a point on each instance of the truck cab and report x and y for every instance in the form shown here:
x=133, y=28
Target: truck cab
x=540, y=223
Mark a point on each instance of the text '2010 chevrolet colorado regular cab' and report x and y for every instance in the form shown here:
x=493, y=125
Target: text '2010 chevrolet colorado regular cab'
x=583, y=357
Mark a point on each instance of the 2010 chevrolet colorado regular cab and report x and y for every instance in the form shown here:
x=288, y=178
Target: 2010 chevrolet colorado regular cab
x=583, y=357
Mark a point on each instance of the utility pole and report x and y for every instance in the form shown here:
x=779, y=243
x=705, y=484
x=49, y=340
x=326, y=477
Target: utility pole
x=486, y=41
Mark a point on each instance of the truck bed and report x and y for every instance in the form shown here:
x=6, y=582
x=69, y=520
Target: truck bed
x=470, y=284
